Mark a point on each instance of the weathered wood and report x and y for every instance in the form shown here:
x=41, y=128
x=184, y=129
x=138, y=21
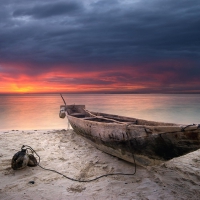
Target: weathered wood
x=150, y=142
x=101, y=117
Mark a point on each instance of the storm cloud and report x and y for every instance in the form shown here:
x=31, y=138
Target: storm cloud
x=94, y=35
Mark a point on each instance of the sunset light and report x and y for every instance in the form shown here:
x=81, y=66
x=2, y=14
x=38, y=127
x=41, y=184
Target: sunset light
x=144, y=78
x=54, y=47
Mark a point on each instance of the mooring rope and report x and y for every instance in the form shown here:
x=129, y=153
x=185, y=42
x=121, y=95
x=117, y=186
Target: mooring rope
x=183, y=129
x=78, y=180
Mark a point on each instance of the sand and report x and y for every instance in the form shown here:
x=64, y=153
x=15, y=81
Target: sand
x=70, y=154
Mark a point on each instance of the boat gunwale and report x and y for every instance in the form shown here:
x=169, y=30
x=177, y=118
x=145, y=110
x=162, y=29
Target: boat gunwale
x=114, y=116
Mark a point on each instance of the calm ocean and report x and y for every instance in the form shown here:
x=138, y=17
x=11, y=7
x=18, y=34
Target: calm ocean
x=21, y=112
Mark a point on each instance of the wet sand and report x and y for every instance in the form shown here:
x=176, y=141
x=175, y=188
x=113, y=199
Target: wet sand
x=70, y=154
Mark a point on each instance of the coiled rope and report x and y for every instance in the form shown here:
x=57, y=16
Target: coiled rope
x=26, y=147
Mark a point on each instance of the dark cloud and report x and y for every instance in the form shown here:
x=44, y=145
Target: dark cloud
x=99, y=31
x=93, y=35
x=48, y=9
x=78, y=81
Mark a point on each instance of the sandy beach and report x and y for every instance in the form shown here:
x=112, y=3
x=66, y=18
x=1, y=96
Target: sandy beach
x=70, y=154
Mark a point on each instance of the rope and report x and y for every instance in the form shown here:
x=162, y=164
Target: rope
x=183, y=129
x=78, y=180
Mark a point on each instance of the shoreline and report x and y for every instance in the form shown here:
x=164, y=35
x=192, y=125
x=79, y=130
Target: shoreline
x=68, y=153
x=28, y=130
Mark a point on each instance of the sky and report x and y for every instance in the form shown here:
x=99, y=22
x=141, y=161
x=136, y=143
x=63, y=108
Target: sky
x=100, y=46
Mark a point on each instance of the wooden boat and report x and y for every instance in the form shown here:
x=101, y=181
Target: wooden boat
x=131, y=139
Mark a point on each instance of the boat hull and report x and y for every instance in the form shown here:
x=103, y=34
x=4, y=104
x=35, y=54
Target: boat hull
x=147, y=145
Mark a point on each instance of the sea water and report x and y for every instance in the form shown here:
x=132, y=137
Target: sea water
x=41, y=111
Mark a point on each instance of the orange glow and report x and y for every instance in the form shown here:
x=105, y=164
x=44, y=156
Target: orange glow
x=42, y=83
x=22, y=89
x=18, y=78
